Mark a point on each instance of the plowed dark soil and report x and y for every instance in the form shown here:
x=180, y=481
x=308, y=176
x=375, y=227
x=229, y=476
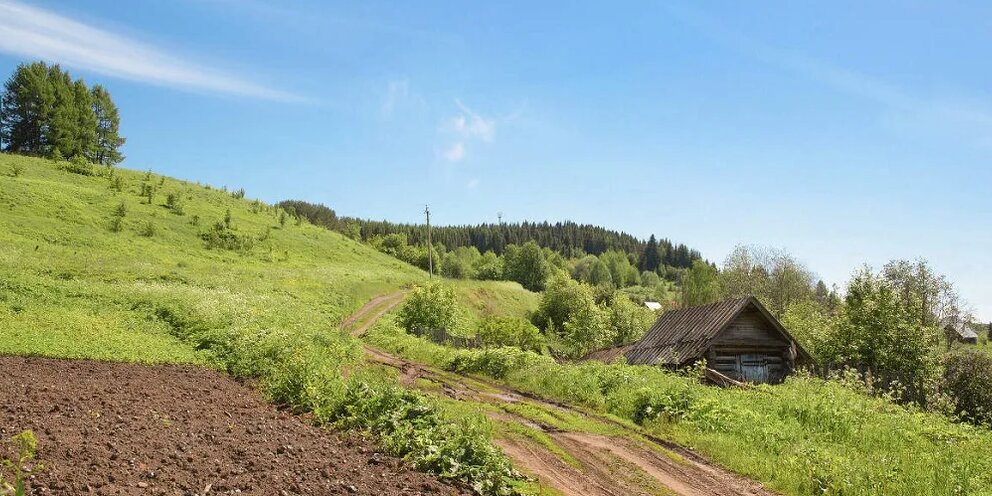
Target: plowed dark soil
x=120, y=429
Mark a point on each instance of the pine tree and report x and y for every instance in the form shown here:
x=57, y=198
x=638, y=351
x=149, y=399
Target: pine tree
x=86, y=122
x=26, y=105
x=61, y=131
x=108, y=138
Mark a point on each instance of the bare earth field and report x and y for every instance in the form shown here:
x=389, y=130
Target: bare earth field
x=121, y=429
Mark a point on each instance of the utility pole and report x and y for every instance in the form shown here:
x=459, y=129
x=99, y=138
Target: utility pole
x=430, y=245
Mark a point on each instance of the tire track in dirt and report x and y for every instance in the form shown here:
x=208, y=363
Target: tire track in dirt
x=611, y=465
x=380, y=305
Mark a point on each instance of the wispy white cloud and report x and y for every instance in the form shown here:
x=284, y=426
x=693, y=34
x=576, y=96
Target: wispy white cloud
x=469, y=124
x=465, y=127
x=472, y=183
x=905, y=109
x=33, y=32
x=454, y=153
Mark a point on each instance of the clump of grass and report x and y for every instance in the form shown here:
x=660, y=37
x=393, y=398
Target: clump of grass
x=239, y=194
x=16, y=169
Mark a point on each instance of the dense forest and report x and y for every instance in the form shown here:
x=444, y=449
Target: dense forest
x=568, y=239
x=44, y=112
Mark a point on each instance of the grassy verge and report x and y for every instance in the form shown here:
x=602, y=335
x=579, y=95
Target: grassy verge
x=807, y=436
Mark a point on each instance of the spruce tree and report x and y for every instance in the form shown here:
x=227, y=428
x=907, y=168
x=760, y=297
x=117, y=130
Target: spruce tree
x=650, y=258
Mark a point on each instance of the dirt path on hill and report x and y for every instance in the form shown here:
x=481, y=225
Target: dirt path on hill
x=124, y=429
x=371, y=311
x=615, y=465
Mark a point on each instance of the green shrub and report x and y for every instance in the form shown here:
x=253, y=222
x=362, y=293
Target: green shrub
x=220, y=236
x=148, y=229
x=413, y=426
x=239, y=194
x=510, y=331
x=78, y=165
x=493, y=362
x=429, y=307
x=121, y=210
x=309, y=379
x=173, y=201
x=116, y=224
x=968, y=379
x=116, y=184
x=628, y=320
x=148, y=193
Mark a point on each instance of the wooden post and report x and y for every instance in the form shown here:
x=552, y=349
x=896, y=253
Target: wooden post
x=430, y=244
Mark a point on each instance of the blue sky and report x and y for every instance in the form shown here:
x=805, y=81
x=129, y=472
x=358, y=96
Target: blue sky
x=845, y=133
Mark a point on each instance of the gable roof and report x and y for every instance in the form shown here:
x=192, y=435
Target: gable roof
x=681, y=336
x=963, y=330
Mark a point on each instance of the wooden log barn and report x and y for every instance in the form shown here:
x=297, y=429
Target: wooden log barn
x=739, y=339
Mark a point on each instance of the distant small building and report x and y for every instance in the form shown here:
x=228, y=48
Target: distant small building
x=960, y=332
x=652, y=305
x=739, y=338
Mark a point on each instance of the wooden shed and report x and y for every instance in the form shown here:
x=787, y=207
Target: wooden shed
x=738, y=338
x=960, y=332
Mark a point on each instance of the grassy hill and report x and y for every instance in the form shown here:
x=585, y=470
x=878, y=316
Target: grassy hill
x=73, y=285
x=70, y=286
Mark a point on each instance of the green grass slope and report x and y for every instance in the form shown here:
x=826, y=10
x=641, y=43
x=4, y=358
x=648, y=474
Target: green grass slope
x=71, y=287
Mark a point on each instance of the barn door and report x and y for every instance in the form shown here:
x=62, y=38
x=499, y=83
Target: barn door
x=754, y=368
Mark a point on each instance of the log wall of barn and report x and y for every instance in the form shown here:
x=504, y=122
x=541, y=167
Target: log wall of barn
x=750, y=335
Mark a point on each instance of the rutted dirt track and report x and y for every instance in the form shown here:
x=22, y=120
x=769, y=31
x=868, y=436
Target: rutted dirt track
x=120, y=429
x=610, y=465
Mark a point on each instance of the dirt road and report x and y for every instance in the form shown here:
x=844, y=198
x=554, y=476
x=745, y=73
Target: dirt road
x=623, y=462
